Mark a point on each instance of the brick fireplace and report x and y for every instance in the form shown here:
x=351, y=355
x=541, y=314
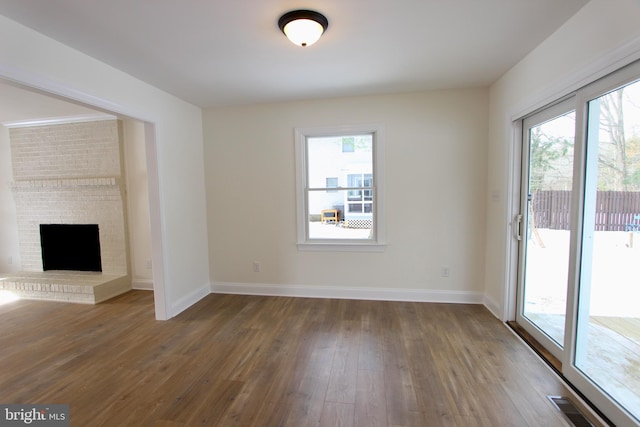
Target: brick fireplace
x=70, y=174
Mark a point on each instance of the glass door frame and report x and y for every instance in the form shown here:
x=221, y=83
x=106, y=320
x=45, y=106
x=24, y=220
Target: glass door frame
x=544, y=115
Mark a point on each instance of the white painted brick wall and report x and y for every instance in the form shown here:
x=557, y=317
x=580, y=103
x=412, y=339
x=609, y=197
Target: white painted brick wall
x=69, y=174
x=72, y=150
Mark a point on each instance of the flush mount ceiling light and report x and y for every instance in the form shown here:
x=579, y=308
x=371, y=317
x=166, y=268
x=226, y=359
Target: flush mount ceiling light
x=303, y=27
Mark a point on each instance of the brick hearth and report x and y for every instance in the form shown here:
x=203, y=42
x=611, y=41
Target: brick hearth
x=65, y=286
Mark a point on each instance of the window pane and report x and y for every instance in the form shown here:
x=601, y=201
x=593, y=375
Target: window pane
x=354, y=180
x=355, y=207
x=548, y=224
x=348, y=144
x=355, y=195
x=326, y=158
x=332, y=183
x=338, y=185
x=353, y=223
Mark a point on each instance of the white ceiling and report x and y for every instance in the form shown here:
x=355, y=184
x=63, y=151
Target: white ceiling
x=217, y=52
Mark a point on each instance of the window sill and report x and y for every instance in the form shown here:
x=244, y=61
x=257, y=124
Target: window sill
x=341, y=247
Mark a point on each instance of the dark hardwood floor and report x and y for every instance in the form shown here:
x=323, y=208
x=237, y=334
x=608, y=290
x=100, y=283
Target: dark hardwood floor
x=273, y=361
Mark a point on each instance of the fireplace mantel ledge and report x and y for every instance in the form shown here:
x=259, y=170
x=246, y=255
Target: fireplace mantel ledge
x=30, y=184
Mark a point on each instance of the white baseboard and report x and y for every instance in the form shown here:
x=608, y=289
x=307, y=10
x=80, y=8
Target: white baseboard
x=142, y=284
x=188, y=300
x=492, y=306
x=383, y=294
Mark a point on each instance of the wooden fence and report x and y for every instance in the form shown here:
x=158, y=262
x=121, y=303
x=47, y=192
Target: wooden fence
x=615, y=210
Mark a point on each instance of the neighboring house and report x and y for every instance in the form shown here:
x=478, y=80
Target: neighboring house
x=342, y=163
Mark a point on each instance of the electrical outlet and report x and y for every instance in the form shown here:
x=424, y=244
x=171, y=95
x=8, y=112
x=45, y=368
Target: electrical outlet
x=257, y=267
x=445, y=271
x=148, y=264
x=10, y=260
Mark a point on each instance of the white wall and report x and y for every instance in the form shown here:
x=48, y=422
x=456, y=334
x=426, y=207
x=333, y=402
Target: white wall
x=177, y=196
x=9, y=243
x=600, y=38
x=137, y=204
x=435, y=162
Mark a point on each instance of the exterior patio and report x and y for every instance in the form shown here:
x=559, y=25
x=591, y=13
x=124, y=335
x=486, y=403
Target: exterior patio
x=612, y=359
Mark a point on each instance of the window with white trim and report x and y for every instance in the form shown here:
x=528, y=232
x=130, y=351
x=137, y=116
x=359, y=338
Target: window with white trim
x=339, y=188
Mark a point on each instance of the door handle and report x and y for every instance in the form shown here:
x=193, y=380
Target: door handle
x=517, y=229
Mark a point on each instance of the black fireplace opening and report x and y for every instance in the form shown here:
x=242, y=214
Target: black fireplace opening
x=73, y=247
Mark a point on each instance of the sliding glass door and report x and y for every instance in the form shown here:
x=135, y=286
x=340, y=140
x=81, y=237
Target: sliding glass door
x=606, y=351
x=545, y=223
x=579, y=271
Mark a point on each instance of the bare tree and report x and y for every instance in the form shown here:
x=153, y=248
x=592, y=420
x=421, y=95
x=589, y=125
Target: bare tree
x=614, y=160
x=546, y=158
x=546, y=155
